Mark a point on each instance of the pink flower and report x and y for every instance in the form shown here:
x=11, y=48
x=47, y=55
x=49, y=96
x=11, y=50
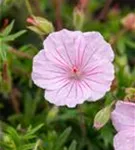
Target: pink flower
x=123, y=118
x=74, y=67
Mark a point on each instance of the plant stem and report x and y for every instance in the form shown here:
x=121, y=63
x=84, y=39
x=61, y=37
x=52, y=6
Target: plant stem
x=105, y=10
x=82, y=121
x=19, y=53
x=28, y=7
x=82, y=126
x=36, y=5
x=57, y=5
x=15, y=94
x=116, y=37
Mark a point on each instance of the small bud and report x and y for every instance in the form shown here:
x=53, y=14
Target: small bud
x=121, y=60
x=129, y=21
x=103, y=116
x=130, y=90
x=130, y=94
x=52, y=114
x=115, y=11
x=78, y=18
x=40, y=25
x=83, y=4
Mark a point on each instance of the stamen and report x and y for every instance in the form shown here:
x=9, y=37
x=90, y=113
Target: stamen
x=75, y=74
x=75, y=70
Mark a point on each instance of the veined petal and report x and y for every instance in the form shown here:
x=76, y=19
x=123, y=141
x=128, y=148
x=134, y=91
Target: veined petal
x=60, y=47
x=125, y=140
x=47, y=75
x=123, y=116
x=70, y=94
x=97, y=48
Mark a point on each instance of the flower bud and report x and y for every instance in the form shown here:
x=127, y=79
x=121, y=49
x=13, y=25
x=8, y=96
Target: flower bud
x=78, y=18
x=40, y=25
x=52, y=114
x=83, y=4
x=103, y=116
x=129, y=21
x=115, y=11
x=121, y=60
x=130, y=94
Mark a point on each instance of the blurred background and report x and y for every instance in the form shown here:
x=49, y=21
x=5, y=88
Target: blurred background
x=27, y=121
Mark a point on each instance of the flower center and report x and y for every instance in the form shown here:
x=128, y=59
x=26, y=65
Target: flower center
x=75, y=70
x=75, y=73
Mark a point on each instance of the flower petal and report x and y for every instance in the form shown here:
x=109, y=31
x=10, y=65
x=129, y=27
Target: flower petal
x=47, y=75
x=123, y=116
x=125, y=140
x=60, y=47
x=70, y=94
x=99, y=76
x=97, y=48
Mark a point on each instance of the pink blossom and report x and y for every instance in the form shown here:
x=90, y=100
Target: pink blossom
x=74, y=67
x=123, y=118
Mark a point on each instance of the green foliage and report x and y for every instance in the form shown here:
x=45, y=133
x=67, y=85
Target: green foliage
x=62, y=139
x=14, y=139
x=5, y=37
x=28, y=122
x=73, y=146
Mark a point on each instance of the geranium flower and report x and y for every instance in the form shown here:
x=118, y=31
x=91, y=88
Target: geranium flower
x=74, y=67
x=123, y=118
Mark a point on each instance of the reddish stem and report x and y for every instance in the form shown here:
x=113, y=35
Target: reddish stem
x=57, y=6
x=105, y=10
x=5, y=71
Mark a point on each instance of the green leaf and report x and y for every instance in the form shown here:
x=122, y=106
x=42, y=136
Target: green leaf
x=106, y=135
x=73, y=146
x=130, y=44
x=5, y=145
x=3, y=50
x=12, y=132
x=121, y=46
x=8, y=29
x=12, y=37
x=62, y=139
x=27, y=146
x=31, y=132
x=37, y=144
